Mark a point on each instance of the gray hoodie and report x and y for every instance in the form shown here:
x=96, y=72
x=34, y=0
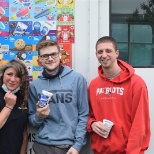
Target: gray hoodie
x=66, y=123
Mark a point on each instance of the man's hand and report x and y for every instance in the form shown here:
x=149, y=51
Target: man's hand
x=42, y=112
x=98, y=127
x=72, y=151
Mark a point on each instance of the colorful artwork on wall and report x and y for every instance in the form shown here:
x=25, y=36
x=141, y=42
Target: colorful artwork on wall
x=23, y=23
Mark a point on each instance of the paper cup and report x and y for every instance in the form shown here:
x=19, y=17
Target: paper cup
x=45, y=98
x=108, y=125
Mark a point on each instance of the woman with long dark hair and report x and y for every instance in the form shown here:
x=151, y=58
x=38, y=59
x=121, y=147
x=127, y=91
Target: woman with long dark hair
x=14, y=86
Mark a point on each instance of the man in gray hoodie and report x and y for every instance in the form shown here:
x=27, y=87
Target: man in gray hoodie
x=61, y=124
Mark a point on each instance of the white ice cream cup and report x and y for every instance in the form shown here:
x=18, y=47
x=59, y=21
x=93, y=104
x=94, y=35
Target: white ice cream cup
x=108, y=125
x=45, y=98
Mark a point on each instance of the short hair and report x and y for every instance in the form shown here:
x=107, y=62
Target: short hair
x=22, y=73
x=46, y=43
x=106, y=39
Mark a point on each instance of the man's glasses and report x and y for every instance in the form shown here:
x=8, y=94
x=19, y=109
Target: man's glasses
x=46, y=56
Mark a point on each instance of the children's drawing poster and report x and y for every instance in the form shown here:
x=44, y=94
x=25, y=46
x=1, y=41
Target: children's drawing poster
x=4, y=10
x=23, y=23
x=66, y=52
x=65, y=34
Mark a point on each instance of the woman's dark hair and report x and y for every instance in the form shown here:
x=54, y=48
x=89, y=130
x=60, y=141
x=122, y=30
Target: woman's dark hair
x=22, y=73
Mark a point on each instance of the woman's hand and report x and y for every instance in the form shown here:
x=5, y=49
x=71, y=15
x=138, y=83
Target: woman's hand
x=10, y=99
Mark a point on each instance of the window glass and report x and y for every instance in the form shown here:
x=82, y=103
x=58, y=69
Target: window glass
x=132, y=25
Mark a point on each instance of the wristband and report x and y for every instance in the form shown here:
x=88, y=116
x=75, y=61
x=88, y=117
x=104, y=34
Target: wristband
x=8, y=107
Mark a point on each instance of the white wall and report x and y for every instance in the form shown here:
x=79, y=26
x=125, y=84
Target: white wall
x=92, y=22
x=147, y=74
x=98, y=24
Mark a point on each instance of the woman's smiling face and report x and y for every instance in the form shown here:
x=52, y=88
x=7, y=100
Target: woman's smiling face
x=11, y=79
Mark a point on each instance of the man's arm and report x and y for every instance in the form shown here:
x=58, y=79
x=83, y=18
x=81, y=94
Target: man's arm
x=83, y=111
x=34, y=118
x=139, y=135
x=91, y=118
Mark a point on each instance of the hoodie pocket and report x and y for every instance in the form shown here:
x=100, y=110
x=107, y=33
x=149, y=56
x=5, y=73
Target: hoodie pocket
x=115, y=143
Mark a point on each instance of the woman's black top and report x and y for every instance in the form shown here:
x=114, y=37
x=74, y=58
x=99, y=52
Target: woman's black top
x=11, y=134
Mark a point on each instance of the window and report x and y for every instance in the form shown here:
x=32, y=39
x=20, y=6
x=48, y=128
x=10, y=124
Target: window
x=132, y=25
